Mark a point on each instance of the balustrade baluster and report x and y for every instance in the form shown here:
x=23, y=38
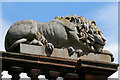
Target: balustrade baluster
x=15, y=71
x=34, y=73
x=52, y=75
x=70, y=76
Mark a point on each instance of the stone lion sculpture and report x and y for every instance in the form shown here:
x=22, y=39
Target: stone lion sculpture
x=75, y=33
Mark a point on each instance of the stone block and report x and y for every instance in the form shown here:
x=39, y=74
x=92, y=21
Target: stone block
x=62, y=53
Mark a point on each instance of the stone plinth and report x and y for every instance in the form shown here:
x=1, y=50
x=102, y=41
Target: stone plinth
x=80, y=69
x=63, y=53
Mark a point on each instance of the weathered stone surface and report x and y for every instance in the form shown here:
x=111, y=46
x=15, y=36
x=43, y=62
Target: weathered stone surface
x=97, y=57
x=40, y=50
x=63, y=53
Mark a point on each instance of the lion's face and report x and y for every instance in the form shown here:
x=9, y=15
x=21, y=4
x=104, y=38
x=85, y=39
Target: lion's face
x=89, y=33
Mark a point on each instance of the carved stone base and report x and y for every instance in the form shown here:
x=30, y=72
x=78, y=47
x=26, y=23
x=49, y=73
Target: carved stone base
x=63, y=53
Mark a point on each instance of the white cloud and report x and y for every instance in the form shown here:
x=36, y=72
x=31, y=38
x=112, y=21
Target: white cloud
x=113, y=48
x=6, y=75
x=41, y=76
x=115, y=75
x=108, y=11
x=108, y=15
x=5, y=25
x=23, y=75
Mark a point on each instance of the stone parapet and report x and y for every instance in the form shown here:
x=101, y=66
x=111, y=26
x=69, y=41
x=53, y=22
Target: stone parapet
x=81, y=69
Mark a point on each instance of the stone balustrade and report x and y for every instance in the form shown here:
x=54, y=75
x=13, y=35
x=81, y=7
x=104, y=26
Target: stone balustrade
x=52, y=67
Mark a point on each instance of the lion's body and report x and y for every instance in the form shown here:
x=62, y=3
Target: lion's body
x=60, y=32
x=54, y=32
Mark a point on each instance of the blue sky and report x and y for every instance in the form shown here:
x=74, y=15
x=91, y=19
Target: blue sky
x=104, y=13
x=45, y=12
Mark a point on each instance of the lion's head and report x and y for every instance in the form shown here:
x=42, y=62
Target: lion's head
x=87, y=32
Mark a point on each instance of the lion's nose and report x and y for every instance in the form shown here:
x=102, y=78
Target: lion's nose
x=104, y=39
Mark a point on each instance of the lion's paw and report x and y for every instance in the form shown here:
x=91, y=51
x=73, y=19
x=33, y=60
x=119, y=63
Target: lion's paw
x=79, y=52
x=49, y=48
x=70, y=50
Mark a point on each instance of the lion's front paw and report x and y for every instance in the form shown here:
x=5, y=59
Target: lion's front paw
x=70, y=50
x=49, y=48
x=79, y=52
